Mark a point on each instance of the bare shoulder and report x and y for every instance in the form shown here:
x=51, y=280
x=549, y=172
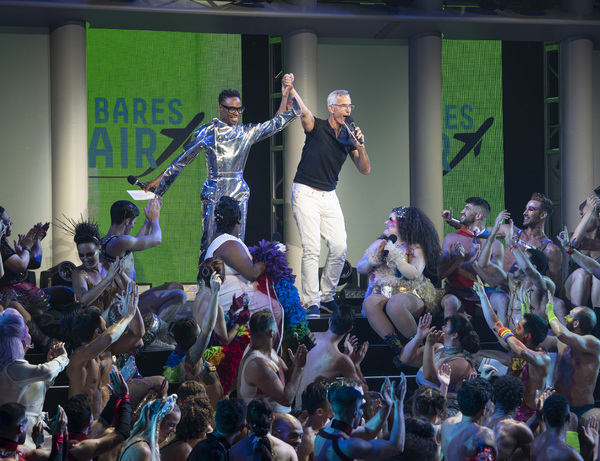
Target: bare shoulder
x=451, y=238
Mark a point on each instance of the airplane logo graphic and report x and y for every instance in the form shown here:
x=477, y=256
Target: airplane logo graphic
x=472, y=142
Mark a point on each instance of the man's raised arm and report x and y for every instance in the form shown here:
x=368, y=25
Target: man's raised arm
x=585, y=262
x=582, y=343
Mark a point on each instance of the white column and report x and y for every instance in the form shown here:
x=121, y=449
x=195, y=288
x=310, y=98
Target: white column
x=300, y=52
x=576, y=126
x=425, y=100
x=69, y=131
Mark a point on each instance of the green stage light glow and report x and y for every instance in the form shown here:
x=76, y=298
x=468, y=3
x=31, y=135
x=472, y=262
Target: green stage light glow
x=473, y=152
x=147, y=93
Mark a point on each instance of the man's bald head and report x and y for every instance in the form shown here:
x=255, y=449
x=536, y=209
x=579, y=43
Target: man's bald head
x=287, y=428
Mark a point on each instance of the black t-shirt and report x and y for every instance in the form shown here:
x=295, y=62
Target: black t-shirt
x=9, y=278
x=323, y=156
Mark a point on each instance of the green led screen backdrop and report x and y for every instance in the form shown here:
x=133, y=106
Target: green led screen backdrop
x=473, y=153
x=147, y=93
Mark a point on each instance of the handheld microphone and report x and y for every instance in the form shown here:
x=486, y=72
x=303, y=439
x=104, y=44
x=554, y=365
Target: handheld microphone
x=391, y=238
x=349, y=122
x=136, y=182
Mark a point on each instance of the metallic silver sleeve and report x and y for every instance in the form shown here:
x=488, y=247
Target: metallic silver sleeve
x=202, y=137
x=226, y=149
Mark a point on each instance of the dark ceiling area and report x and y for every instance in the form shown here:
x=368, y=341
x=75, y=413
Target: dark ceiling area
x=516, y=20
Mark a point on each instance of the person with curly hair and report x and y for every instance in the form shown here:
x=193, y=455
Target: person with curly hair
x=398, y=291
x=196, y=420
x=260, y=444
x=514, y=438
x=241, y=273
x=454, y=345
x=464, y=437
x=143, y=443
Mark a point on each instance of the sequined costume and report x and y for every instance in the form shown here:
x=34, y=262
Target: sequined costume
x=226, y=149
x=106, y=298
x=387, y=280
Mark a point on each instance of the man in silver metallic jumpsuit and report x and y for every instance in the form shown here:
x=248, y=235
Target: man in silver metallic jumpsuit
x=226, y=147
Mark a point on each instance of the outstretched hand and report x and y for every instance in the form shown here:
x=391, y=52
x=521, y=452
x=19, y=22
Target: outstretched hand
x=590, y=431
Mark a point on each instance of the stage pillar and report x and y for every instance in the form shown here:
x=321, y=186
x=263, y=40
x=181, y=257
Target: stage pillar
x=300, y=59
x=576, y=126
x=68, y=92
x=425, y=118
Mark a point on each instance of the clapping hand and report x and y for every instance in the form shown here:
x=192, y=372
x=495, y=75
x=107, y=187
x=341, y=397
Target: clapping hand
x=503, y=215
x=424, y=326
x=386, y=394
x=299, y=359
x=434, y=336
x=129, y=300
x=400, y=390
x=443, y=374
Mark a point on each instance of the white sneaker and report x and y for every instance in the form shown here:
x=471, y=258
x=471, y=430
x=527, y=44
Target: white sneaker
x=158, y=345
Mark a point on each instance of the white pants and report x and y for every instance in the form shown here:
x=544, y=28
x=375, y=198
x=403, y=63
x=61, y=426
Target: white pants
x=318, y=214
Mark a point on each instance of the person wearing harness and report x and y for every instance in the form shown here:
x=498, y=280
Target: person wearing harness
x=336, y=442
x=537, y=211
x=522, y=290
x=164, y=300
x=530, y=362
x=458, y=250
